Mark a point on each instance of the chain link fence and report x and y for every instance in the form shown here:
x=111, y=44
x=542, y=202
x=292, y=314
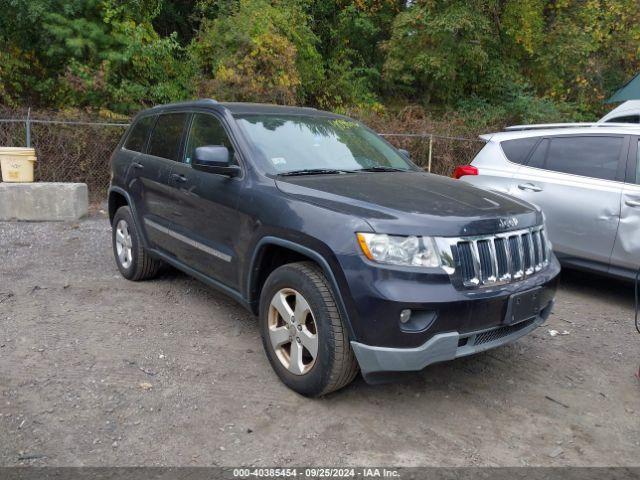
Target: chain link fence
x=439, y=154
x=67, y=150
x=78, y=150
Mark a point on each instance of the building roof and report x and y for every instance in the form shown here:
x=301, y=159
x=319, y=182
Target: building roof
x=630, y=91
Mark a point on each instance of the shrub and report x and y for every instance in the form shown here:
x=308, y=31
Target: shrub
x=259, y=51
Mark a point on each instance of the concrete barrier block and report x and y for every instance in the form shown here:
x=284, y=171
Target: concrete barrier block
x=41, y=202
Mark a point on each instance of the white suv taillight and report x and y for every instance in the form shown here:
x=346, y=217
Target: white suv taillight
x=463, y=170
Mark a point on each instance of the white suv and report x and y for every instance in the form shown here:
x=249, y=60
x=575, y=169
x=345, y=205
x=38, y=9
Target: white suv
x=628, y=112
x=585, y=179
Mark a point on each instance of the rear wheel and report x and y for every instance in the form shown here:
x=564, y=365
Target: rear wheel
x=132, y=259
x=303, y=334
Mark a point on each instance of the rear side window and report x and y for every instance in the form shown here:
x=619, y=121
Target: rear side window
x=596, y=157
x=626, y=119
x=518, y=150
x=539, y=155
x=167, y=135
x=137, y=139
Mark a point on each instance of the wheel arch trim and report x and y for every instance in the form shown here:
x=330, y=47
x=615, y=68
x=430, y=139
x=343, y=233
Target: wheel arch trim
x=307, y=252
x=132, y=207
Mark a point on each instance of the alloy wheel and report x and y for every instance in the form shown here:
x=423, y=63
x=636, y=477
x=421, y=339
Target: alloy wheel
x=292, y=331
x=124, y=244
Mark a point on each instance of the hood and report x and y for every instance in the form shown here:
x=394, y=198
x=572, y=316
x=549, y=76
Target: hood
x=414, y=203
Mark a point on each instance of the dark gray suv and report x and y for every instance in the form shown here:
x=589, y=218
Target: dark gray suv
x=352, y=257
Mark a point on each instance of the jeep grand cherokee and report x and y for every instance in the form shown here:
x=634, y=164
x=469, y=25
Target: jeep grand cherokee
x=351, y=256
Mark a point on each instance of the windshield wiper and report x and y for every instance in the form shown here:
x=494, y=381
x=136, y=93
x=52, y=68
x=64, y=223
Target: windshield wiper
x=380, y=168
x=312, y=171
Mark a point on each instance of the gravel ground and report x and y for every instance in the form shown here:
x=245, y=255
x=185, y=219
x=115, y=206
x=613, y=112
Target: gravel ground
x=95, y=370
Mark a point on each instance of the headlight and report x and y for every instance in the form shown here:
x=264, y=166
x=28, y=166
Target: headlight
x=399, y=250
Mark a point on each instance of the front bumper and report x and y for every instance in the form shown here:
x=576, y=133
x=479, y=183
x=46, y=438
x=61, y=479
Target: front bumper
x=375, y=296
x=441, y=347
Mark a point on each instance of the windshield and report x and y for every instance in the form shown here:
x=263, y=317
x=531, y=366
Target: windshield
x=292, y=143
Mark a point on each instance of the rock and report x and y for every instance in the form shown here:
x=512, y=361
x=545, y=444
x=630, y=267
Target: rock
x=556, y=452
x=43, y=201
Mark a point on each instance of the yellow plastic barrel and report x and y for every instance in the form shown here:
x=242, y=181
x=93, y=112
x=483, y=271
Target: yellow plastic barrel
x=17, y=164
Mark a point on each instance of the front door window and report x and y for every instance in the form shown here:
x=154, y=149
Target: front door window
x=206, y=130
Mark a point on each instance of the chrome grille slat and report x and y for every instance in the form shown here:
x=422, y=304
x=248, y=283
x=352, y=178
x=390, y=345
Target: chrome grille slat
x=527, y=252
x=543, y=241
x=539, y=255
x=465, y=259
x=476, y=262
x=507, y=247
x=494, y=261
x=486, y=261
x=517, y=259
x=532, y=253
x=501, y=258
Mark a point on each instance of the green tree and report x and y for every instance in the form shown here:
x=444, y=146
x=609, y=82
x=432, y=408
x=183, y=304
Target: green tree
x=442, y=50
x=97, y=53
x=517, y=59
x=350, y=33
x=590, y=49
x=507, y=52
x=258, y=51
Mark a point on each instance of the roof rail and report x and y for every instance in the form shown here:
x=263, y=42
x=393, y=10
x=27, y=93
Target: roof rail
x=542, y=126
x=188, y=103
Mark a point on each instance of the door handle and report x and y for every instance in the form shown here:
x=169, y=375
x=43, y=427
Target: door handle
x=178, y=178
x=137, y=166
x=530, y=186
x=632, y=203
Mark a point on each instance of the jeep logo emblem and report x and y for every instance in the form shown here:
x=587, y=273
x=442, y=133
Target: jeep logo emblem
x=507, y=223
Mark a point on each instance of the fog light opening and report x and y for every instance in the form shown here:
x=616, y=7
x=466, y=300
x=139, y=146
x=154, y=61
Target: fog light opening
x=405, y=316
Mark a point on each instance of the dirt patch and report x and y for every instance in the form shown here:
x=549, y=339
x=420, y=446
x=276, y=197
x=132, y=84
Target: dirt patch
x=95, y=370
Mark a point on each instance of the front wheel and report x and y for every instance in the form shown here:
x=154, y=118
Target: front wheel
x=303, y=334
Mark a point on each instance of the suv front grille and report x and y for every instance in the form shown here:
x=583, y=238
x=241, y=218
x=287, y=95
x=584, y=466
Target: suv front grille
x=501, y=258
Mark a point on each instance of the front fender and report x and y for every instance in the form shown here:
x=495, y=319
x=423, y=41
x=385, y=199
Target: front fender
x=332, y=273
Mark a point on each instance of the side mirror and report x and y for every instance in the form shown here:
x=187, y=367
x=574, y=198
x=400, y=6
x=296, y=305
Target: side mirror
x=405, y=153
x=214, y=159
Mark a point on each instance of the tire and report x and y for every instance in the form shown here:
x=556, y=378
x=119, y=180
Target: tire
x=304, y=285
x=131, y=258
